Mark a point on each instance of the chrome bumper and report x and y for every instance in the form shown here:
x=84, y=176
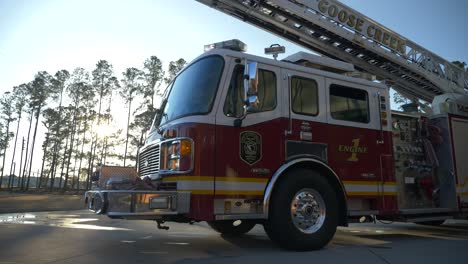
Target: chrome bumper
x=138, y=204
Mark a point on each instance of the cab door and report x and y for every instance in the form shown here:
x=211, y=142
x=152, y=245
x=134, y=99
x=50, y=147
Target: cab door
x=247, y=155
x=306, y=134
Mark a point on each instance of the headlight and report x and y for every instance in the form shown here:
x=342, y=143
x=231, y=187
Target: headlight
x=176, y=156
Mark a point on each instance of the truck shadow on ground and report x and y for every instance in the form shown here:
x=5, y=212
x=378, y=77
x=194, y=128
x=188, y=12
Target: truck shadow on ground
x=384, y=236
x=368, y=236
x=253, y=241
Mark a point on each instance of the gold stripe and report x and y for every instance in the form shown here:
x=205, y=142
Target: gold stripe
x=188, y=178
x=224, y=192
x=464, y=183
x=371, y=193
x=212, y=178
x=204, y=192
x=239, y=192
x=237, y=179
x=371, y=183
x=261, y=180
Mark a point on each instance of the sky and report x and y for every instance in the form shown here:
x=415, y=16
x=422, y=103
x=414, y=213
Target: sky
x=51, y=35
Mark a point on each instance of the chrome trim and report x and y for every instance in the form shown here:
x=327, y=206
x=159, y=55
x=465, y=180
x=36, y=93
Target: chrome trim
x=155, y=213
x=154, y=145
x=239, y=216
x=308, y=210
x=95, y=202
x=160, y=143
x=428, y=210
x=136, y=203
x=406, y=114
x=290, y=121
x=280, y=171
x=163, y=172
x=381, y=140
x=427, y=219
x=149, y=145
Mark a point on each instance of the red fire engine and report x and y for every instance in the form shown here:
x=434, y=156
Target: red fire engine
x=304, y=144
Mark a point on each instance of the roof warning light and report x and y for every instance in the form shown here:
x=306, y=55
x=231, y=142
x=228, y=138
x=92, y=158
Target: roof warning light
x=233, y=44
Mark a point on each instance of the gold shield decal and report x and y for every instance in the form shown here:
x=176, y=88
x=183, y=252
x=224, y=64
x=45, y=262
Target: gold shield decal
x=250, y=147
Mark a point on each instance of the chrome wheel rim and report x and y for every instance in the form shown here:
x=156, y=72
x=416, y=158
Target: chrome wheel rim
x=308, y=211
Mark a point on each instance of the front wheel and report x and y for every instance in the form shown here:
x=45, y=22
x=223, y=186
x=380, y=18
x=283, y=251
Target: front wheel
x=303, y=211
x=232, y=227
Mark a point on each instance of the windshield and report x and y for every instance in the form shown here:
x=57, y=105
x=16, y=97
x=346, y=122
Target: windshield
x=193, y=91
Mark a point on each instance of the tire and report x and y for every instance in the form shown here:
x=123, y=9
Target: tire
x=232, y=227
x=303, y=211
x=432, y=223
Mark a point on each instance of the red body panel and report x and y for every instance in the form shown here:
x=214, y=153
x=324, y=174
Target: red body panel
x=228, y=161
x=376, y=159
x=203, y=136
x=217, y=154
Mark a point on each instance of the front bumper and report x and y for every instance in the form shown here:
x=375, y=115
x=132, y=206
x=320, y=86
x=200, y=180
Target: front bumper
x=138, y=204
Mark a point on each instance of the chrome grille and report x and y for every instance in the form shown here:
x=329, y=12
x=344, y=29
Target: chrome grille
x=148, y=161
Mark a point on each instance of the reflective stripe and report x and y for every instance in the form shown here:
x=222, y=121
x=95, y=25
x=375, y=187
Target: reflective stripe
x=237, y=192
x=195, y=185
x=373, y=183
x=222, y=185
x=370, y=188
x=256, y=186
x=462, y=189
x=212, y=178
x=244, y=186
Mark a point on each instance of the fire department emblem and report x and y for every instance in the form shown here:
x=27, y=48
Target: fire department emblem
x=250, y=147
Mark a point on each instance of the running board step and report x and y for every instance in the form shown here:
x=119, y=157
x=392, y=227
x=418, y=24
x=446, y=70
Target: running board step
x=428, y=211
x=428, y=219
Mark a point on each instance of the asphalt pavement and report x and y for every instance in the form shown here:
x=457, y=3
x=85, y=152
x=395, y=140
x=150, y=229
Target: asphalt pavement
x=81, y=237
x=50, y=228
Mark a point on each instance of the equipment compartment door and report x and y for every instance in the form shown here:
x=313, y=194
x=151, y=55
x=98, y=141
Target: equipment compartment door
x=459, y=127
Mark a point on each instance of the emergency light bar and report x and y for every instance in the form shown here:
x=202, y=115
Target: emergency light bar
x=233, y=44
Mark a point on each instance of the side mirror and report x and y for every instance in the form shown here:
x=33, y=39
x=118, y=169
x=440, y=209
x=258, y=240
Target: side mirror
x=250, y=97
x=250, y=87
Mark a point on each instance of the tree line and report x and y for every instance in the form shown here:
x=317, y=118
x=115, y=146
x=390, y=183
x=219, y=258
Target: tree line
x=73, y=108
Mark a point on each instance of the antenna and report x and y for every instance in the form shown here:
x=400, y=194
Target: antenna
x=275, y=49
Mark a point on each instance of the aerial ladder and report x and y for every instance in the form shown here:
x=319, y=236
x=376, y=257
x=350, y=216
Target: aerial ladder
x=340, y=32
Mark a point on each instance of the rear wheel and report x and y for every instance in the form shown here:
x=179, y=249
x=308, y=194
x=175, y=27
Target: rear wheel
x=303, y=213
x=232, y=227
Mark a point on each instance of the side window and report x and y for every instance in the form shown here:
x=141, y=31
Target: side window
x=233, y=107
x=349, y=104
x=304, y=96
